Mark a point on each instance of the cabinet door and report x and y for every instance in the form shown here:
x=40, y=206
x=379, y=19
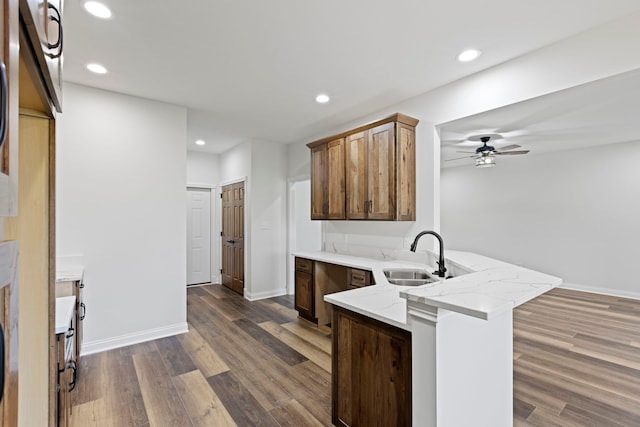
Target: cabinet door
x=381, y=172
x=371, y=372
x=304, y=295
x=43, y=22
x=327, y=180
x=356, y=174
x=335, y=179
x=406, y=173
x=319, y=184
x=9, y=72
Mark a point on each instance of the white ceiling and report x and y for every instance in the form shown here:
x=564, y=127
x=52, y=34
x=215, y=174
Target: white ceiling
x=601, y=112
x=251, y=70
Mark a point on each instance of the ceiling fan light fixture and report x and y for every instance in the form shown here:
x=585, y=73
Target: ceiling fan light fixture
x=485, y=162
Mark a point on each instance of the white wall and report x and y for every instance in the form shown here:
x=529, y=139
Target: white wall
x=592, y=55
x=572, y=214
x=121, y=171
x=307, y=233
x=268, y=220
x=304, y=234
x=203, y=168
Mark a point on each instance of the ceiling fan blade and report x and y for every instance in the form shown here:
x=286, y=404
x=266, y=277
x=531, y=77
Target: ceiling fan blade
x=459, y=158
x=467, y=152
x=500, y=153
x=509, y=147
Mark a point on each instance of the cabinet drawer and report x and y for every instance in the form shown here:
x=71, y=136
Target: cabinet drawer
x=305, y=265
x=359, y=278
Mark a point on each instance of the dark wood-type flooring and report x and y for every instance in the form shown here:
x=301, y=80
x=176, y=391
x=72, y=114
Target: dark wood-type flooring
x=576, y=363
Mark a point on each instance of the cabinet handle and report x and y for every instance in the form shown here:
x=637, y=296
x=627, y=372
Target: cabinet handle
x=81, y=285
x=370, y=206
x=84, y=310
x=59, y=43
x=231, y=241
x=4, y=103
x=73, y=365
x=366, y=206
x=71, y=332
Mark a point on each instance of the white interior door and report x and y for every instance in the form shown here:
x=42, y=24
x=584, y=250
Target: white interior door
x=198, y=235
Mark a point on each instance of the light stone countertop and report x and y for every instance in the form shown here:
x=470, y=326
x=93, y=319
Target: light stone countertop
x=65, y=307
x=492, y=287
x=69, y=273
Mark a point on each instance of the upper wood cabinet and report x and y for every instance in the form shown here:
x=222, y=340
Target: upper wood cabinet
x=327, y=180
x=9, y=73
x=45, y=32
x=373, y=178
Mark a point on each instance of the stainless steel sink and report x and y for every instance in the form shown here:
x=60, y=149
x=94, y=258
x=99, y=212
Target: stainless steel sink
x=408, y=277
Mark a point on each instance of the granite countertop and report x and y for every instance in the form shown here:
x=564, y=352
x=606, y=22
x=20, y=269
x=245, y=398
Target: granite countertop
x=65, y=308
x=491, y=287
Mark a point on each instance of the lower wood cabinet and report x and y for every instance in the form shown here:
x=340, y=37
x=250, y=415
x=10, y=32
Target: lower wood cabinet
x=304, y=292
x=67, y=368
x=358, y=278
x=75, y=288
x=371, y=372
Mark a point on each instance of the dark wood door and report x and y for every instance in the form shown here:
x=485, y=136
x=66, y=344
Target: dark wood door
x=233, y=237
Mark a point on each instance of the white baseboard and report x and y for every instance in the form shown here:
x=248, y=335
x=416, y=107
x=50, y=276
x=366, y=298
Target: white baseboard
x=601, y=291
x=262, y=295
x=135, y=338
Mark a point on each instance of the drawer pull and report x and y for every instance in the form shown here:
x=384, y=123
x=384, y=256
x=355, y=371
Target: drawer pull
x=84, y=311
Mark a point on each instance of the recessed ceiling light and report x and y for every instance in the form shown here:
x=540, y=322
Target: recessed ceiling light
x=468, y=55
x=97, y=9
x=96, y=68
x=322, y=98
x=200, y=142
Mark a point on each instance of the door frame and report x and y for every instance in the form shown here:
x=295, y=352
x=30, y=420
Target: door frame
x=247, y=231
x=214, y=229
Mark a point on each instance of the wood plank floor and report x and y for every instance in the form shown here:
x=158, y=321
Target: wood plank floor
x=577, y=363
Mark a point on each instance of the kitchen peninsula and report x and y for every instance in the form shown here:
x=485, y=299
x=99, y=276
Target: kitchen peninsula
x=459, y=333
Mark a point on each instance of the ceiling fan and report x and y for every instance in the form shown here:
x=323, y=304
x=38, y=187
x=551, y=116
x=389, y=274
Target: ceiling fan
x=486, y=154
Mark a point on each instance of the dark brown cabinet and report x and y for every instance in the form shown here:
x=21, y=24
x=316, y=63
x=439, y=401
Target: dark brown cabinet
x=369, y=175
x=304, y=292
x=370, y=162
x=45, y=31
x=75, y=288
x=357, y=278
x=327, y=172
x=371, y=372
x=67, y=373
